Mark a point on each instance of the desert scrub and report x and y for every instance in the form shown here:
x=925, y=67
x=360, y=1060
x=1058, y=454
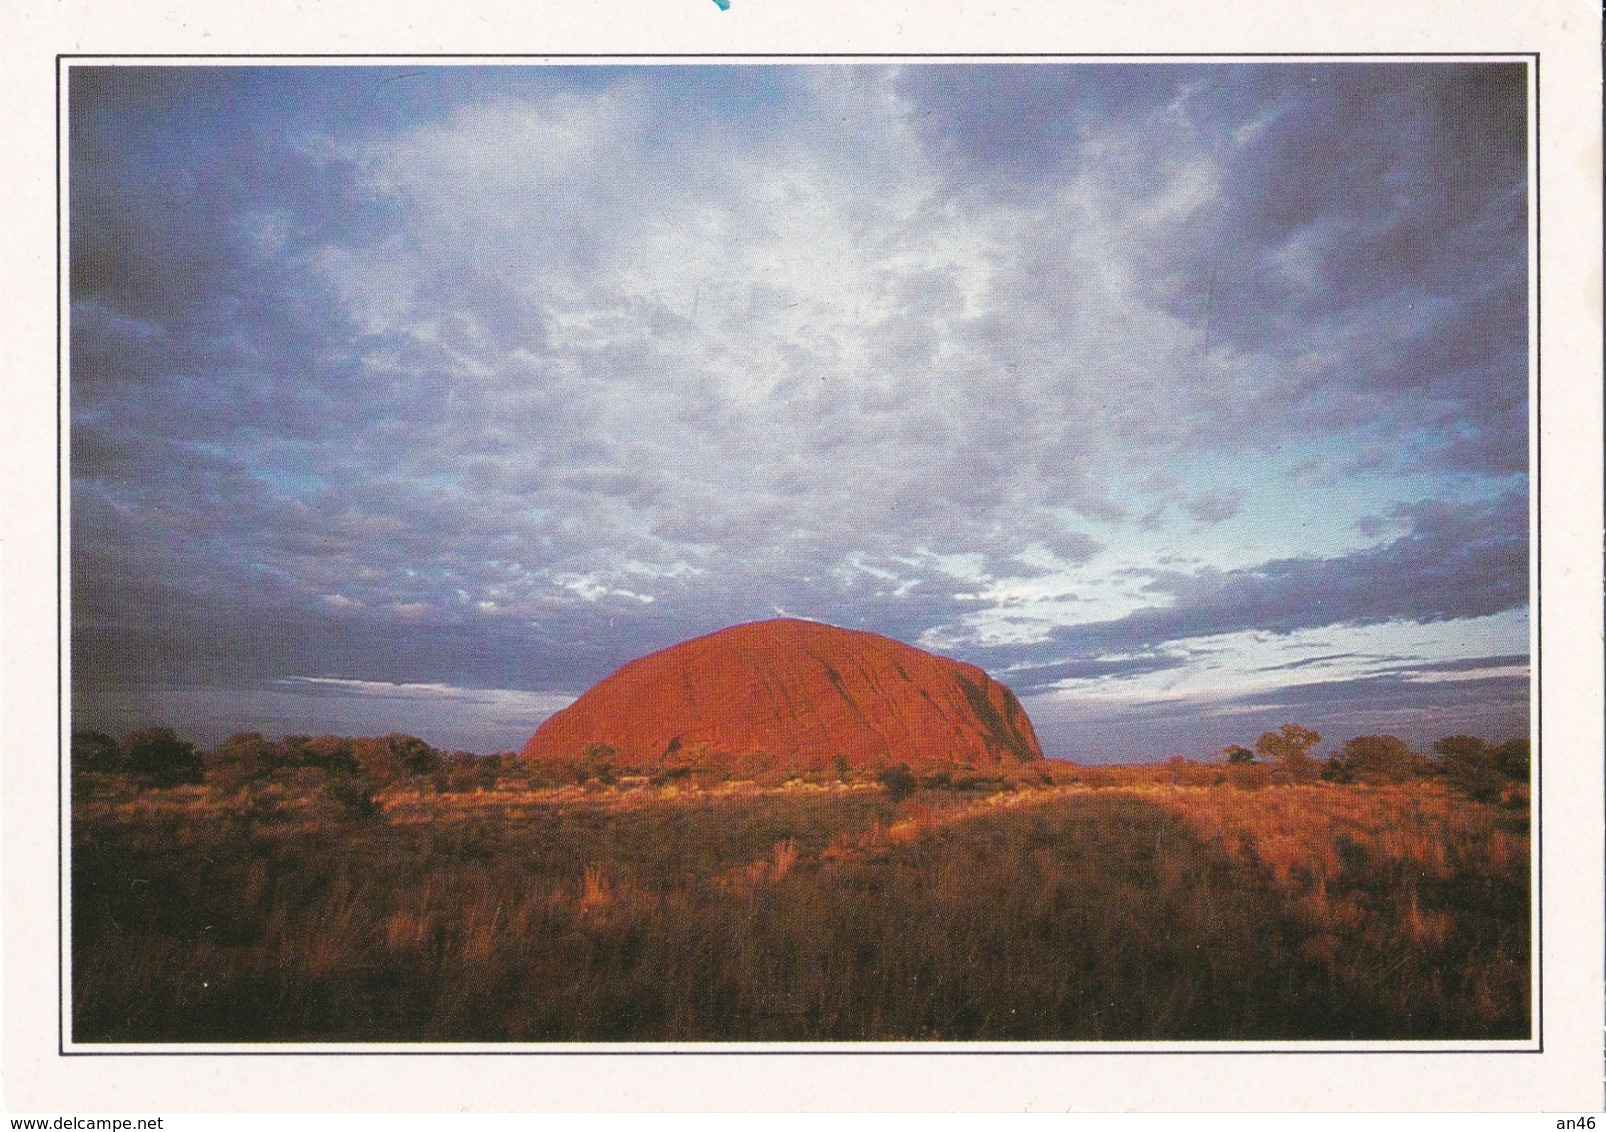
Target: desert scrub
x=1126, y=906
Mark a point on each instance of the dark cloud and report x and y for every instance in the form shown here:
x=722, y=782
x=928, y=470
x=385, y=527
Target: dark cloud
x=1129, y=727
x=1341, y=700
x=1455, y=561
x=1472, y=664
x=1199, y=728
x=498, y=377
x=1375, y=210
x=1038, y=678
x=1025, y=125
x=1312, y=661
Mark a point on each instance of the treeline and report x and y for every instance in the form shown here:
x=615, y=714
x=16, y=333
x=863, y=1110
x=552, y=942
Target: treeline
x=157, y=757
x=353, y=770
x=1480, y=769
x=350, y=770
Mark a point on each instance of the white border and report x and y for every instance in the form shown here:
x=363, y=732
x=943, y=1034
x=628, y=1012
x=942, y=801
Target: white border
x=1567, y=1074
x=1532, y=1043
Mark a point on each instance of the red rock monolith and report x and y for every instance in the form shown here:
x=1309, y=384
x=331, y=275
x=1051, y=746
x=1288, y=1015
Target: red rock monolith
x=807, y=695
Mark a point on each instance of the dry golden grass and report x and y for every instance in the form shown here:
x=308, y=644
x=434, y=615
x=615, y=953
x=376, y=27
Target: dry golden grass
x=1116, y=903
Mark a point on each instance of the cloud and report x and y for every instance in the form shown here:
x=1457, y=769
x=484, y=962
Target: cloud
x=1089, y=730
x=339, y=688
x=1214, y=506
x=1308, y=228
x=1392, y=693
x=1045, y=676
x=1454, y=561
x=1473, y=664
x=499, y=377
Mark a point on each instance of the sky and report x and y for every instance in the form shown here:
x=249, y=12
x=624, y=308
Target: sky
x=1187, y=399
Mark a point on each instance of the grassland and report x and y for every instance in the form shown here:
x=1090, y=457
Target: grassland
x=1169, y=902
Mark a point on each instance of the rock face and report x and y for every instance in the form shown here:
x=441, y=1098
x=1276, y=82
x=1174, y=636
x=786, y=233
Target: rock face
x=807, y=695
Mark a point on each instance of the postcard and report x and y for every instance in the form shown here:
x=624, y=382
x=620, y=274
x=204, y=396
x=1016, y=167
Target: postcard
x=937, y=560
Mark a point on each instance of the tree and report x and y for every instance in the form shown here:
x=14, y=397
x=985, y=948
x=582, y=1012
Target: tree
x=415, y=755
x=597, y=763
x=1238, y=756
x=161, y=756
x=328, y=752
x=1290, y=740
x=248, y=753
x=1289, y=748
x=376, y=761
x=1513, y=759
x=95, y=751
x=1376, y=759
x=1185, y=772
x=1472, y=766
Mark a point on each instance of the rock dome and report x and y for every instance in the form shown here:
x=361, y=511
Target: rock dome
x=807, y=695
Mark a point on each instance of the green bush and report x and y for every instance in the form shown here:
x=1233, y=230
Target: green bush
x=161, y=757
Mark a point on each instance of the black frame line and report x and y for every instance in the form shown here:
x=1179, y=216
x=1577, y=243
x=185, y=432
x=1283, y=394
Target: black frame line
x=1536, y=360
x=64, y=62
x=61, y=583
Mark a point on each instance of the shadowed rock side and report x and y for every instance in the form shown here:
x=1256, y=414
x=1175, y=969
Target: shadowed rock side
x=801, y=692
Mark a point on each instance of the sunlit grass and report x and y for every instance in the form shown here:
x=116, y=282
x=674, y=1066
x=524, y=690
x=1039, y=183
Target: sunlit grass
x=1117, y=903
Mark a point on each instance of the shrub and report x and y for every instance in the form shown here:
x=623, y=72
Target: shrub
x=1472, y=766
x=597, y=763
x=353, y=793
x=1289, y=749
x=161, y=757
x=898, y=781
x=1249, y=776
x=1297, y=914
x=375, y=759
x=96, y=752
x=1512, y=759
x=1376, y=760
x=466, y=772
x=247, y=754
x=415, y=755
x=328, y=752
x=1062, y=773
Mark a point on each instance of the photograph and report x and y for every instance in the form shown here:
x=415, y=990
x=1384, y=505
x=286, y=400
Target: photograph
x=924, y=552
